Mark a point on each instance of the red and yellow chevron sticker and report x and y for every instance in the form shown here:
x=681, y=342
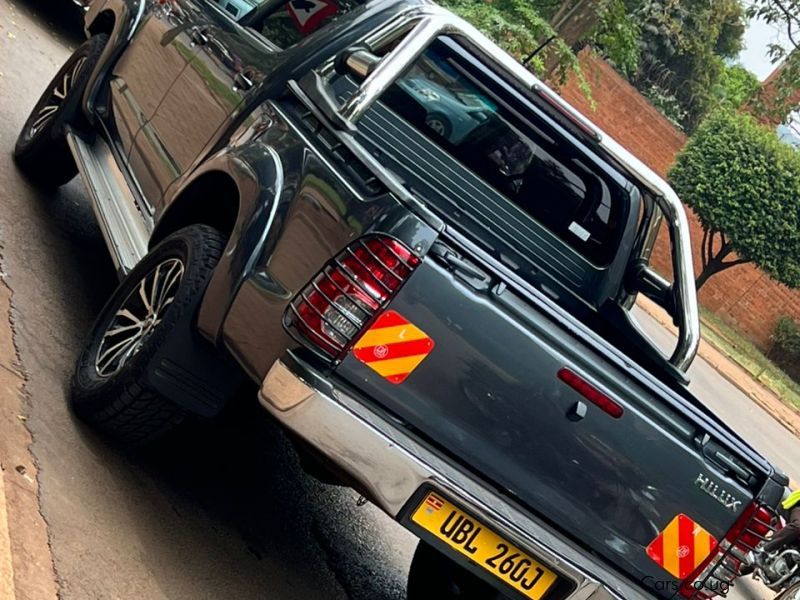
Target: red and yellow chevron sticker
x=393, y=347
x=681, y=546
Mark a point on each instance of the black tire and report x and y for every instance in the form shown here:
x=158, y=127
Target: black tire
x=440, y=124
x=433, y=575
x=791, y=593
x=41, y=152
x=122, y=403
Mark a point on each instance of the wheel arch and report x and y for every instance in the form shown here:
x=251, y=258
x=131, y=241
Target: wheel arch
x=119, y=20
x=237, y=192
x=103, y=22
x=212, y=198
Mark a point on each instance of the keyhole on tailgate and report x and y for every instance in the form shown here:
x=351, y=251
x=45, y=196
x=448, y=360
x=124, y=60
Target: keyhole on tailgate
x=577, y=411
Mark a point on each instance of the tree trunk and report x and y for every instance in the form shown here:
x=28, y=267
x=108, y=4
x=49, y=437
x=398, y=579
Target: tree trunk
x=576, y=20
x=704, y=275
x=714, y=263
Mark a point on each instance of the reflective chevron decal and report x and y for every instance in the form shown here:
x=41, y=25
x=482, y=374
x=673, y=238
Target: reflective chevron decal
x=393, y=347
x=681, y=546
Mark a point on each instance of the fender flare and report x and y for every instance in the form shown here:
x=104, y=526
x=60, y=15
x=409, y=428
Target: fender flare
x=128, y=14
x=258, y=174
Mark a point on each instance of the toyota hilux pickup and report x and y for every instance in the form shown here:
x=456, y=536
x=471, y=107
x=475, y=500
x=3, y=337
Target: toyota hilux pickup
x=427, y=261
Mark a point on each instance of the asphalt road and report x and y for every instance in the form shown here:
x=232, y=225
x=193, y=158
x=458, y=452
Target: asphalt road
x=219, y=512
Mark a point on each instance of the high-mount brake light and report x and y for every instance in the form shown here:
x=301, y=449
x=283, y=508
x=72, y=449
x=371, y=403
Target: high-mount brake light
x=591, y=393
x=716, y=573
x=345, y=296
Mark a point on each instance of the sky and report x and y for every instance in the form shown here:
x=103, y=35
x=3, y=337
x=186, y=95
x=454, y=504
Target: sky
x=758, y=35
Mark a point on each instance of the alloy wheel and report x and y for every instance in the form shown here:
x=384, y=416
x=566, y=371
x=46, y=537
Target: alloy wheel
x=438, y=126
x=138, y=316
x=57, y=97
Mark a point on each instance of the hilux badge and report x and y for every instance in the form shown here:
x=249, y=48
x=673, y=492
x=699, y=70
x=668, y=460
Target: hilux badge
x=713, y=489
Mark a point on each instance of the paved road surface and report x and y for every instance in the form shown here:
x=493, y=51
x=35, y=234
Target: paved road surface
x=745, y=417
x=218, y=513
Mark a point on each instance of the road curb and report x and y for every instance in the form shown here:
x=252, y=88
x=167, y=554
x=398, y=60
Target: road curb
x=26, y=562
x=6, y=563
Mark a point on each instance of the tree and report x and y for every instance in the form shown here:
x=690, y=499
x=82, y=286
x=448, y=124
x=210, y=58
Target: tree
x=619, y=35
x=518, y=27
x=679, y=52
x=785, y=16
x=744, y=186
x=737, y=87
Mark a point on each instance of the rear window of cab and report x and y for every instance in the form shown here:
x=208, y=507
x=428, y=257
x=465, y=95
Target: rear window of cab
x=531, y=174
x=528, y=173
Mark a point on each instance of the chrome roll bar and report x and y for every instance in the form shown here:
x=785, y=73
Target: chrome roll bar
x=430, y=21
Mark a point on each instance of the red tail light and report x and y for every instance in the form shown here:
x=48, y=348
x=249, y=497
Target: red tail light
x=716, y=573
x=347, y=294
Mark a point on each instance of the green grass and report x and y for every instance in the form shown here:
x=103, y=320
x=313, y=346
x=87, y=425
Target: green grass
x=744, y=353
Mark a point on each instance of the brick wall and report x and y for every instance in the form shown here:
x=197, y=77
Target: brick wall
x=742, y=295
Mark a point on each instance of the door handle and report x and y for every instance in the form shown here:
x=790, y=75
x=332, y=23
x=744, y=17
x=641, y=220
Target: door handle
x=198, y=37
x=242, y=81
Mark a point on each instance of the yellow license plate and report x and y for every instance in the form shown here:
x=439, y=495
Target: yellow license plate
x=483, y=546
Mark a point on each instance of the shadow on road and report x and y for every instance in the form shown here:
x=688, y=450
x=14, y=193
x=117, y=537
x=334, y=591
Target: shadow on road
x=62, y=18
x=222, y=506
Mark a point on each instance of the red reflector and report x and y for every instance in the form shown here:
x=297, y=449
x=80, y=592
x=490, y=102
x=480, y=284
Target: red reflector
x=591, y=393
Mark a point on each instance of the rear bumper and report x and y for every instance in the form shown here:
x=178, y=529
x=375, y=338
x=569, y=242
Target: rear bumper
x=391, y=466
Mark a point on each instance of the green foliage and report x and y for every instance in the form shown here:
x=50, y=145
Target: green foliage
x=787, y=336
x=680, y=50
x=619, y=35
x=785, y=351
x=683, y=44
x=736, y=87
x=517, y=27
x=666, y=102
x=744, y=185
x=783, y=15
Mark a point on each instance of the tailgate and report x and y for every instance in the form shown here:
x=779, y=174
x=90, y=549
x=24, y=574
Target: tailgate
x=488, y=393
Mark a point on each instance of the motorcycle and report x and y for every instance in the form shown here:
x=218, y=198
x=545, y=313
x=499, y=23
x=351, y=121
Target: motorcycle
x=780, y=572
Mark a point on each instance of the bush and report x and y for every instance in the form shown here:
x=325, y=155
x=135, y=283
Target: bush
x=744, y=185
x=785, y=351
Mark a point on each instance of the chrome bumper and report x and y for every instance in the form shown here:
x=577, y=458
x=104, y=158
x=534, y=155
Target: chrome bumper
x=391, y=466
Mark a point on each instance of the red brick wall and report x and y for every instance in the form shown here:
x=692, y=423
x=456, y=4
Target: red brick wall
x=742, y=295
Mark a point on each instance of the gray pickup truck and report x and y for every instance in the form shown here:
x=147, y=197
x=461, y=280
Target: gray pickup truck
x=427, y=261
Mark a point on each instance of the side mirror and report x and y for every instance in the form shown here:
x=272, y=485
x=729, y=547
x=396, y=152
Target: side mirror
x=358, y=62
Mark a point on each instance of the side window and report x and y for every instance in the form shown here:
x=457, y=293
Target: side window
x=294, y=20
x=236, y=8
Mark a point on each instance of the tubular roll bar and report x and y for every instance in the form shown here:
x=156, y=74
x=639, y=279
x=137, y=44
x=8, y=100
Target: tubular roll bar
x=430, y=21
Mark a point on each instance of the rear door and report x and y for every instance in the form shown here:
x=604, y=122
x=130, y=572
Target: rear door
x=224, y=65
x=151, y=63
x=236, y=45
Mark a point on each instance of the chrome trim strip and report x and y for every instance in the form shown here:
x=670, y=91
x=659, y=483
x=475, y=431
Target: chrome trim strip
x=432, y=21
x=137, y=19
x=391, y=466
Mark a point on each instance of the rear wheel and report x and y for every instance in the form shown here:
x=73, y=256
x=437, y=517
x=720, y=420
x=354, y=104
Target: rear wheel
x=433, y=575
x=440, y=124
x=110, y=387
x=792, y=593
x=41, y=151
